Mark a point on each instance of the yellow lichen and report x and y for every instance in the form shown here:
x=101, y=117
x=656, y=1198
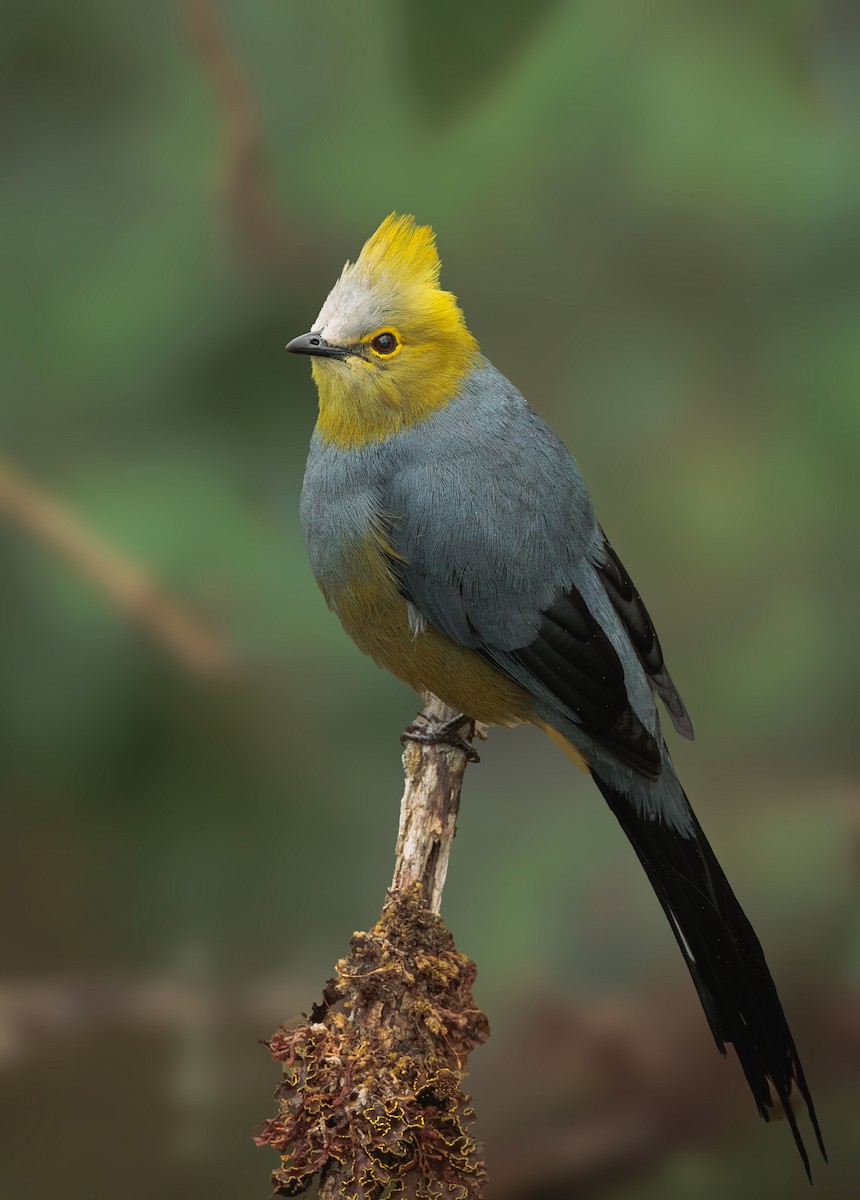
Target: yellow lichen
x=377, y=1099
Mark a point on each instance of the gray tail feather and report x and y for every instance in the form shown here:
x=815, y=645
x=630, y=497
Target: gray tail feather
x=723, y=955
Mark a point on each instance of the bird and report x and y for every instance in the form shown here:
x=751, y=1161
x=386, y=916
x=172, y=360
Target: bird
x=451, y=532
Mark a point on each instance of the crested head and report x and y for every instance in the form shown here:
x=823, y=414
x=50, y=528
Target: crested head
x=404, y=249
x=389, y=346
x=395, y=275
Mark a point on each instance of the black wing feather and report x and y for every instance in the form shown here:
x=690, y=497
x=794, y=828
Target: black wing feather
x=628, y=604
x=575, y=660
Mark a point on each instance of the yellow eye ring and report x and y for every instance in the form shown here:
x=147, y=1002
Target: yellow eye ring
x=385, y=343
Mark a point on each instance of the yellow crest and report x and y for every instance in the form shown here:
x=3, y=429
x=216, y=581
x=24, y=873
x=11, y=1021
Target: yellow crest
x=403, y=250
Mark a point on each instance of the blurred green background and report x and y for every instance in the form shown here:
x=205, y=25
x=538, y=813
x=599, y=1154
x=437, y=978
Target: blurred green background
x=650, y=215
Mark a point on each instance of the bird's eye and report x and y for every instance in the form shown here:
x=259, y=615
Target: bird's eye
x=384, y=343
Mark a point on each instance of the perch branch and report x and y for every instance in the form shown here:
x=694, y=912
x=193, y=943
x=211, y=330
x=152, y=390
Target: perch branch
x=371, y=1098
x=428, y=811
x=123, y=581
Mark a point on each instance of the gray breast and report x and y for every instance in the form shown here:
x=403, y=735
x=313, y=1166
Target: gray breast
x=341, y=503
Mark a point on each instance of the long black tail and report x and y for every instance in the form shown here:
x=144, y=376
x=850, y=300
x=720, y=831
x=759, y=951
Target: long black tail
x=723, y=956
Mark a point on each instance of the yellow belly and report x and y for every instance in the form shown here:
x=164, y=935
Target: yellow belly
x=374, y=614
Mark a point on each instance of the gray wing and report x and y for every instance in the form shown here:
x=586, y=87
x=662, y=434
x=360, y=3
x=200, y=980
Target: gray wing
x=498, y=547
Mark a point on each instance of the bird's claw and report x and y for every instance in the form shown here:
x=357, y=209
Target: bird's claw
x=443, y=733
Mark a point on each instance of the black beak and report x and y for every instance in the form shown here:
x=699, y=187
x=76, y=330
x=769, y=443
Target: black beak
x=315, y=343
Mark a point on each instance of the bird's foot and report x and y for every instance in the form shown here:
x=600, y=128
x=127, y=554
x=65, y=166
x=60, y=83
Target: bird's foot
x=443, y=733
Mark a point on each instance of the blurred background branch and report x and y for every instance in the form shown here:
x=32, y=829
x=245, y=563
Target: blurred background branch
x=609, y=1084
x=122, y=581
x=256, y=225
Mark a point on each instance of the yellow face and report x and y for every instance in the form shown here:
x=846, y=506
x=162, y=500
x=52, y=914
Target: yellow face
x=389, y=346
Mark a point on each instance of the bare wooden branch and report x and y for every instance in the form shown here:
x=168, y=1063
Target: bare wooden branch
x=372, y=1097
x=124, y=582
x=429, y=810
